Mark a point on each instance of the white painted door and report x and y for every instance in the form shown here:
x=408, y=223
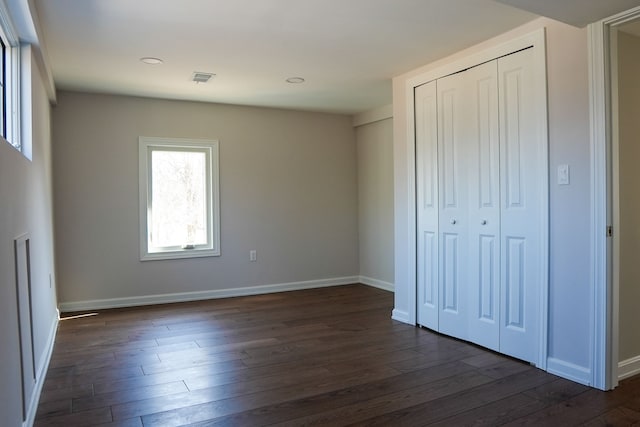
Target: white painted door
x=483, y=181
x=480, y=216
x=522, y=165
x=426, y=118
x=453, y=205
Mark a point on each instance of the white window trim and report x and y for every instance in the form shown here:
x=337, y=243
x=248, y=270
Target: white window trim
x=12, y=80
x=145, y=147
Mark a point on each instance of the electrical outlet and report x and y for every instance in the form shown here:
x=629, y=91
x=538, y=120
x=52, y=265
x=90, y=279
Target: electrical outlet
x=253, y=255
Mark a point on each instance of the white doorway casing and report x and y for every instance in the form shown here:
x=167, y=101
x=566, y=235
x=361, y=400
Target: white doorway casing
x=604, y=195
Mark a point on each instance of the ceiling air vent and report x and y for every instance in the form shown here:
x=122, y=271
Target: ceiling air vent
x=199, y=77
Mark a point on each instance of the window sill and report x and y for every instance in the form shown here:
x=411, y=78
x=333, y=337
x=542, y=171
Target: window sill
x=180, y=254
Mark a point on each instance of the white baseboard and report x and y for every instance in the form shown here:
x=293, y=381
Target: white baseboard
x=569, y=371
x=628, y=368
x=401, y=316
x=41, y=373
x=377, y=283
x=203, y=295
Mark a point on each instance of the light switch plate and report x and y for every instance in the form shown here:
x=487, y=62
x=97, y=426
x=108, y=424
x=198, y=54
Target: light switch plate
x=563, y=174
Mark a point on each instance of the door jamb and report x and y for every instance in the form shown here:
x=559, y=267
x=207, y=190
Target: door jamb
x=604, y=195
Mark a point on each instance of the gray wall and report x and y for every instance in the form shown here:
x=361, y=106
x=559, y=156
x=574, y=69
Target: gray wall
x=26, y=207
x=570, y=293
x=288, y=189
x=629, y=196
x=570, y=297
x=375, y=201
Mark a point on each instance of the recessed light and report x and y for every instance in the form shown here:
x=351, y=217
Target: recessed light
x=295, y=80
x=151, y=60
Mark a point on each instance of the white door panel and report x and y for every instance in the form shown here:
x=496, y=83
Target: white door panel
x=483, y=146
x=521, y=220
x=514, y=309
x=427, y=202
x=453, y=212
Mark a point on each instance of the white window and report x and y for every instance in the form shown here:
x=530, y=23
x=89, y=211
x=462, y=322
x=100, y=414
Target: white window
x=9, y=81
x=179, y=198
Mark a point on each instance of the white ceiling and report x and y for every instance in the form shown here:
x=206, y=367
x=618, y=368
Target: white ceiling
x=575, y=12
x=347, y=50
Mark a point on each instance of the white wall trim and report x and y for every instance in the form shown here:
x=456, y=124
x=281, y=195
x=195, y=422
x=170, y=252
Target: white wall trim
x=372, y=116
x=41, y=374
x=570, y=371
x=601, y=317
x=369, y=281
x=533, y=38
x=210, y=149
x=27, y=27
x=605, y=292
x=628, y=368
x=203, y=295
x=401, y=316
x=7, y=23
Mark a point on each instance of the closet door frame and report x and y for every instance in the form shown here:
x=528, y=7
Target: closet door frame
x=536, y=41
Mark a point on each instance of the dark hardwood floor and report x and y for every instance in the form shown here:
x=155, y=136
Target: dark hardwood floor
x=329, y=356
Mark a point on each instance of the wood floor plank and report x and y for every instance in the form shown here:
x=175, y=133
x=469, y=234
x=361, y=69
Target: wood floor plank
x=328, y=356
x=431, y=411
x=504, y=368
x=380, y=405
x=106, y=386
x=159, y=349
x=577, y=410
x=220, y=335
x=81, y=419
x=54, y=408
x=251, y=384
x=212, y=365
x=233, y=345
x=131, y=422
x=128, y=395
x=556, y=391
x=207, y=404
x=495, y=413
x=619, y=416
x=52, y=391
x=309, y=409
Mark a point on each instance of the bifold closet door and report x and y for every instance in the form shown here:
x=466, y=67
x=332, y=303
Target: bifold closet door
x=453, y=204
x=426, y=128
x=479, y=165
x=522, y=165
x=440, y=115
x=457, y=152
x=483, y=184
